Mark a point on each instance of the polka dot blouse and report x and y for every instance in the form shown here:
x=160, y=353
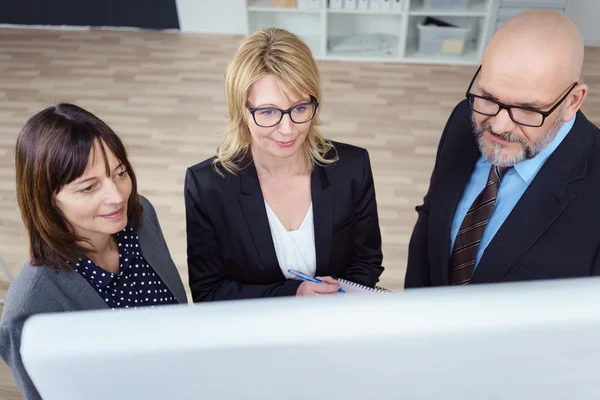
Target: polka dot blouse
x=135, y=285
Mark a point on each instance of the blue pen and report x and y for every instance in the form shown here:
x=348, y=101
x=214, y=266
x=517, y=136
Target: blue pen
x=309, y=278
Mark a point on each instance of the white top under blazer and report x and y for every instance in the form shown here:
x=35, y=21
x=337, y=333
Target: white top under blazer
x=294, y=249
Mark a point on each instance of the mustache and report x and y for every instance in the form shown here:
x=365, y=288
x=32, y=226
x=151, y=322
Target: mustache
x=508, y=136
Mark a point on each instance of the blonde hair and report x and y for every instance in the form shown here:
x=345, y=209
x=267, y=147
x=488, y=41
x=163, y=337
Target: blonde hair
x=276, y=52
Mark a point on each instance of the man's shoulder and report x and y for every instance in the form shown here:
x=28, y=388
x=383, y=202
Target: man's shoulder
x=590, y=129
x=584, y=124
x=461, y=114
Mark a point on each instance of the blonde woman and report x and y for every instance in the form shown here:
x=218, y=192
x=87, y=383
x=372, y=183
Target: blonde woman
x=278, y=195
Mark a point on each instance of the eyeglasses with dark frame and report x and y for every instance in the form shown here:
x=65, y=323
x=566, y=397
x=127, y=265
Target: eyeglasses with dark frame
x=525, y=116
x=268, y=117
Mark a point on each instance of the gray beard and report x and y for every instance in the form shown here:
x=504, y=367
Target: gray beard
x=494, y=154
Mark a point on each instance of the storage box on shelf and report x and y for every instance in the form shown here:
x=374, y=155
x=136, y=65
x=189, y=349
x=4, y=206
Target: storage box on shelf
x=377, y=30
x=457, y=43
x=437, y=37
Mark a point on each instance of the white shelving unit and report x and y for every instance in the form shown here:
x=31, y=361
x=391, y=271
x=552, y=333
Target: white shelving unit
x=319, y=28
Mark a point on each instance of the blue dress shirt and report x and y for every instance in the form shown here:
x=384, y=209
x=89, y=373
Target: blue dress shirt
x=513, y=185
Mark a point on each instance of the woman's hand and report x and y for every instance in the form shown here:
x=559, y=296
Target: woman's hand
x=328, y=287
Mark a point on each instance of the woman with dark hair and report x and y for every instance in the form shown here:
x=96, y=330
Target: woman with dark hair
x=94, y=242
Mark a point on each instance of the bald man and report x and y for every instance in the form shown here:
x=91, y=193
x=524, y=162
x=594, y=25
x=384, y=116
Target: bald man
x=515, y=191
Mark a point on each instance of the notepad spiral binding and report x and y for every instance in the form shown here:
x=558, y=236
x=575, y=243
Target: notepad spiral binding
x=376, y=289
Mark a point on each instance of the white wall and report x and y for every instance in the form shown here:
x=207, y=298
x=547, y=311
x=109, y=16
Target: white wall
x=585, y=13
x=212, y=16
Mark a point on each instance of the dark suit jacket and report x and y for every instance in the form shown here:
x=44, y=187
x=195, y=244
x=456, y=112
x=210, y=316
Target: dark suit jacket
x=553, y=231
x=229, y=244
x=40, y=290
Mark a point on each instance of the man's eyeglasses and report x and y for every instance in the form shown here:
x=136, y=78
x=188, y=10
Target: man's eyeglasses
x=520, y=115
x=267, y=117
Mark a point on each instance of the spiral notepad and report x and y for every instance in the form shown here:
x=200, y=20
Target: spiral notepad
x=353, y=287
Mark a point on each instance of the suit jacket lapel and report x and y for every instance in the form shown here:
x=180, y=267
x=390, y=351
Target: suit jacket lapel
x=156, y=253
x=542, y=203
x=453, y=181
x=253, y=207
x=255, y=213
x=323, y=203
x=87, y=297
x=544, y=200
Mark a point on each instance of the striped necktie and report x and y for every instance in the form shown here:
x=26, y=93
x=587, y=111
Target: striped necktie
x=471, y=230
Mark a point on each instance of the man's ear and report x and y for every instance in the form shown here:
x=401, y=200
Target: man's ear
x=575, y=101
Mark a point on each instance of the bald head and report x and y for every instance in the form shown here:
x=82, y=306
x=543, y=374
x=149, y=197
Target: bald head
x=538, y=42
x=532, y=60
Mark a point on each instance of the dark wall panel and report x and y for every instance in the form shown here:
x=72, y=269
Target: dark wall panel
x=148, y=14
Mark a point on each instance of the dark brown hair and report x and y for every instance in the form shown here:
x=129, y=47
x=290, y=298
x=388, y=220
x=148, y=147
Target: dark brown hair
x=52, y=151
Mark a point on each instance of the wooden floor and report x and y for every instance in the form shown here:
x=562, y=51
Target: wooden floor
x=163, y=94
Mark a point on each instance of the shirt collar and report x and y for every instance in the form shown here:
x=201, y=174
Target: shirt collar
x=528, y=169
x=95, y=275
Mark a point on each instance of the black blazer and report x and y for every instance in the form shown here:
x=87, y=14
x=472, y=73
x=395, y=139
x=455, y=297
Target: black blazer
x=229, y=244
x=553, y=231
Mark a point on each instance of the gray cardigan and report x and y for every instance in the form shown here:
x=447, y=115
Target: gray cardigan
x=40, y=290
